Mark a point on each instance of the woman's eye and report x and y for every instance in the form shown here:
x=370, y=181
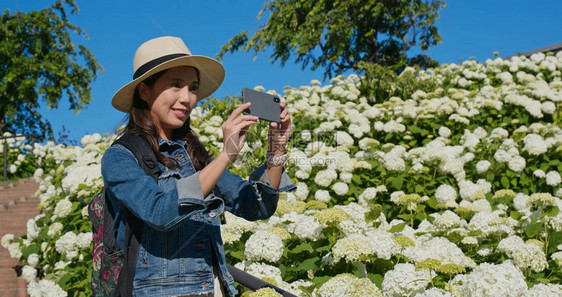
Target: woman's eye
x=176, y=85
x=194, y=88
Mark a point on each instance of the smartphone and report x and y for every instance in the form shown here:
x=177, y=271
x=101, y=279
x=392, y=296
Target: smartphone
x=265, y=106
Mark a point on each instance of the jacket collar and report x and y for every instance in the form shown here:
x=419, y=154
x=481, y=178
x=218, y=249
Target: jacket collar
x=162, y=143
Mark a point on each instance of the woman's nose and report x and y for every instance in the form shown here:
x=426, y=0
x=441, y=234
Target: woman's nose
x=185, y=94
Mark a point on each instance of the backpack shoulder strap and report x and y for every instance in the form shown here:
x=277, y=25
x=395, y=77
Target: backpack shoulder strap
x=143, y=153
x=133, y=225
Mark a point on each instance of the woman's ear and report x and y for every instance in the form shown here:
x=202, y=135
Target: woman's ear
x=144, y=92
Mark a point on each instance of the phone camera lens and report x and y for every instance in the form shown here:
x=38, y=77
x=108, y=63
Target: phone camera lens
x=276, y=99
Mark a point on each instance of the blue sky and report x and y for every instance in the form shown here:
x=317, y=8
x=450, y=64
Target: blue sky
x=469, y=28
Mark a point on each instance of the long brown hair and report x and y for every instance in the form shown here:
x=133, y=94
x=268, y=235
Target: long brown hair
x=141, y=123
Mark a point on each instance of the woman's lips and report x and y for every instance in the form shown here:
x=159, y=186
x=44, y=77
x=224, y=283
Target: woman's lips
x=179, y=112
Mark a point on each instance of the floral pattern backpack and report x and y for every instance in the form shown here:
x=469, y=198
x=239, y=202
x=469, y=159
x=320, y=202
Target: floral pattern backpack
x=113, y=268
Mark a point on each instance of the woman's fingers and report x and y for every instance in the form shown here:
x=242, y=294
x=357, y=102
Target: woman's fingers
x=235, y=113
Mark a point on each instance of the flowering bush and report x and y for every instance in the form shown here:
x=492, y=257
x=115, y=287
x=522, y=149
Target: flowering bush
x=21, y=163
x=452, y=189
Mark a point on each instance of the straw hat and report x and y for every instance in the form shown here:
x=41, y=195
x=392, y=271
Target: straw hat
x=164, y=53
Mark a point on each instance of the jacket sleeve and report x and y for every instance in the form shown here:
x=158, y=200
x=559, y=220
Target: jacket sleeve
x=127, y=182
x=253, y=199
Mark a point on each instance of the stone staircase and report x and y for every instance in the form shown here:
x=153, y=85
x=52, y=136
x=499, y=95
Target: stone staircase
x=17, y=205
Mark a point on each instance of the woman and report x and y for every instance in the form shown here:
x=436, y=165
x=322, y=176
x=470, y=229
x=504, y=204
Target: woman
x=181, y=251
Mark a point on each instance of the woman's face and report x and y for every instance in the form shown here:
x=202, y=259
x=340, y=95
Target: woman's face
x=171, y=98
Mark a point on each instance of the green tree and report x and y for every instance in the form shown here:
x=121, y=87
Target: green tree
x=341, y=35
x=39, y=64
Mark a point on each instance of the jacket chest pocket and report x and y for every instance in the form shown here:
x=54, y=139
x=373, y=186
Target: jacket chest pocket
x=167, y=180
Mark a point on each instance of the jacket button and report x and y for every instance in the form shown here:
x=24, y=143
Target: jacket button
x=212, y=215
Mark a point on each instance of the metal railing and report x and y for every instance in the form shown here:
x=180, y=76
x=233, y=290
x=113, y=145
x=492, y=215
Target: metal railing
x=5, y=139
x=253, y=283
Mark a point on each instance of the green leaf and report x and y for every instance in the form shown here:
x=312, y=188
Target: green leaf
x=475, y=232
x=432, y=202
x=320, y=280
x=505, y=182
x=308, y=264
x=554, y=240
x=397, y=182
x=237, y=255
x=551, y=211
x=533, y=229
x=420, y=216
x=406, y=217
x=31, y=249
x=376, y=279
x=515, y=215
x=305, y=246
x=65, y=280
x=397, y=228
x=324, y=248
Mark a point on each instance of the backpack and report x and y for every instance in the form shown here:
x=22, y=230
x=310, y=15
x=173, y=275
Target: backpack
x=113, y=269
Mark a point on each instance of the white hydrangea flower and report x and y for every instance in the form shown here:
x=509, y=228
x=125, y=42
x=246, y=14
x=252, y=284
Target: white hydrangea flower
x=346, y=177
x=438, y=248
x=405, y=280
x=7, y=240
x=482, y=166
x=352, y=248
x=539, y=173
x=367, y=195
x=348, y=285
x=322, y=195
x=492, y=280
x=444, y=132
x=505, y=77
x=63, y=208
x=32, y=229
x=340, y=188
x=15, y=250
x=325, y=177
x=261, y=270
x=540, y=290
x=303, y=226
x=446, y=220
x=55, y=229
x=435, y=292
x=447, y=195
x=557, y=257
x=525, y=255
x=45, y=288
x=33, y=260
x=67, y=243
x=516, y=164
x=535, y=144
x=553, y=178
x=264, y=245
x=302, y=191
x=28, y=273
x=349, y=227
x=343, y=138
x=84, y=240
x=383, y=243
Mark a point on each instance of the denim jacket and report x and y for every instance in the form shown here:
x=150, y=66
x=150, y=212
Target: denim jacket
x=182, y=227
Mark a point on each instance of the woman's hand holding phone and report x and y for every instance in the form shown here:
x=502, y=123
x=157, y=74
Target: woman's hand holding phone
x=234, y=131
x=280, y=132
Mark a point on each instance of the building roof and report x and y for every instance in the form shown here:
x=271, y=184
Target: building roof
x=553, y=48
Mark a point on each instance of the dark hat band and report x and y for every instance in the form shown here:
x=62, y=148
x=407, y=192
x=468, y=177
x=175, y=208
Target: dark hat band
x=151, y=64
